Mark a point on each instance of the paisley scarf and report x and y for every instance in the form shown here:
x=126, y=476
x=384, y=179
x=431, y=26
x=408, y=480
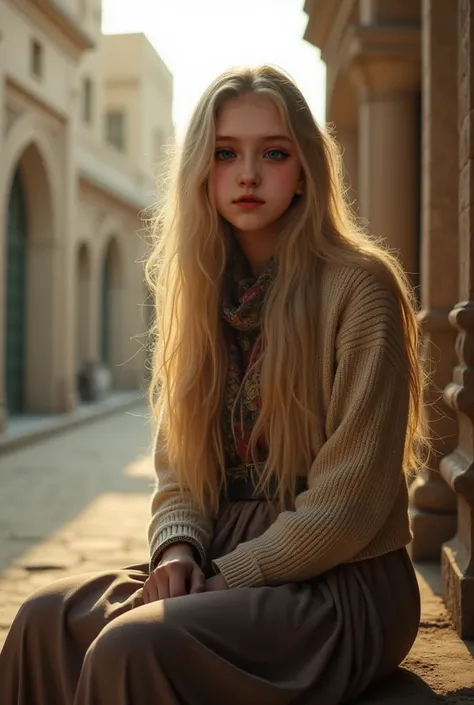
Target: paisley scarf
x=243, y=300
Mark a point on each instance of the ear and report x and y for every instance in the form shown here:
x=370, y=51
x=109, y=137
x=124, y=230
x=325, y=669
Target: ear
x=300, y=187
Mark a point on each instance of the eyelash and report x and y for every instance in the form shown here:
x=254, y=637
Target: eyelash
x=283, y=154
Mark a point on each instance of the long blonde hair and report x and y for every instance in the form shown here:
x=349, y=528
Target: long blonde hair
x=186, y=270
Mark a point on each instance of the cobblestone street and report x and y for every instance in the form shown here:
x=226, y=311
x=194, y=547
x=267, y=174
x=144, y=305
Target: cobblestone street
x=73, y=503
x=79, y=502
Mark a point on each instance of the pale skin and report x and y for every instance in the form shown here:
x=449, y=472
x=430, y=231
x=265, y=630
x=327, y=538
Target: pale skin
x=178, y=574
x=255, y=156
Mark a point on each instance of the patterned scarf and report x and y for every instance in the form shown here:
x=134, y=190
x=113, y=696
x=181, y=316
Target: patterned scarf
x=243, y=299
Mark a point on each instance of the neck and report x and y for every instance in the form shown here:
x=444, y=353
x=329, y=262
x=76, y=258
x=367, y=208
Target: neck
x=258, y=248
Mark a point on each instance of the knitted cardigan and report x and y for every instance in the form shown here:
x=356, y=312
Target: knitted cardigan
x=356, y=502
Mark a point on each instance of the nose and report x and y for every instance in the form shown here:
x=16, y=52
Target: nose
x=248, y=174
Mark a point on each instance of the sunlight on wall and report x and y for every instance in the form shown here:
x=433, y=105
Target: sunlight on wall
x=199, y=40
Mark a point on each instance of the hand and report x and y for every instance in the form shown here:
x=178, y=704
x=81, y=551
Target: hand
x=217, y=582
x=176, y=574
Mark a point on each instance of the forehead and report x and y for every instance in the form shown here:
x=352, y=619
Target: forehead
x=248, y=116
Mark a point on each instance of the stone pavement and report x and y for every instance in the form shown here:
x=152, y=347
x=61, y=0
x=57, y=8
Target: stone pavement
x=79, y=502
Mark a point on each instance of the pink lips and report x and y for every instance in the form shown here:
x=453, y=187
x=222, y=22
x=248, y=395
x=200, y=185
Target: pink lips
x=249, y=202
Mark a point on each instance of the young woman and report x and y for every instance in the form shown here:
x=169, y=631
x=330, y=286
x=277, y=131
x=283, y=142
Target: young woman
x=289, y=397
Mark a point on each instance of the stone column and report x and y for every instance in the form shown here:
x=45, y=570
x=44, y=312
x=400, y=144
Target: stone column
x=433, y=503
x=385, y=69
x=388, y=11
x=95, y=304
x=457, y=467
x=3, y=234
x=65, y=330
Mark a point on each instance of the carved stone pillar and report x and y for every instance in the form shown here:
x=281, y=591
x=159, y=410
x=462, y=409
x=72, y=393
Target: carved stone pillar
x=458, y=467
x=388, y=11
x=433, y=503
x=3, y=236
x=384, y=65
x=67, y=397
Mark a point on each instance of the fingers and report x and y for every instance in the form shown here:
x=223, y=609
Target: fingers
x=150, y=591
x=197, y=581
x=170, y=580
x=161, y=580
x=167, y=580
x=155, y=588
x=177, y=581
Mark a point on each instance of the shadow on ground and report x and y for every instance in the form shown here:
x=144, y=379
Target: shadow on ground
x=406, y=688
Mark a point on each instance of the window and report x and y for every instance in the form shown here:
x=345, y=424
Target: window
x=36, y=59
x=87, y=101
x=115, y=129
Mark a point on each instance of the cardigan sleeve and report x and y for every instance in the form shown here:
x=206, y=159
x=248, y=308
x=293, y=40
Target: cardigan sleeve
x=174, y=515
x=354, y=480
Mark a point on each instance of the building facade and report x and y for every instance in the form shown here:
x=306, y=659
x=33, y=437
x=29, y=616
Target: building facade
x=400, y=98
x=83, y=122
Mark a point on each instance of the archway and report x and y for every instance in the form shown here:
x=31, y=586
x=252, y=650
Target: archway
x=30, y=164
x=16, y=301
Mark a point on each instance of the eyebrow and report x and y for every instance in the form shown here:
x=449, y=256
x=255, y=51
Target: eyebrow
x=266, y=138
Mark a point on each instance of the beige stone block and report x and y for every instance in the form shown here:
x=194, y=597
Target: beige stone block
x=430, y=532
x=430, y=493
x=458, y=591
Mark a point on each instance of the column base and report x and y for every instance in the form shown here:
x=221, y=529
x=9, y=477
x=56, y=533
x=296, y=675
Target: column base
x=67, y=399
x=430, y=531
x=458, y=591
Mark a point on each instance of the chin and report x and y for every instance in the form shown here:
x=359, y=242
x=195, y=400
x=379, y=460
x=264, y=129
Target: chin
x=249, y=224
x=255, y=227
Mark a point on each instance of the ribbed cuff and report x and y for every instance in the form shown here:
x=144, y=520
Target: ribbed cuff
x=175, y=533
x=240, y=569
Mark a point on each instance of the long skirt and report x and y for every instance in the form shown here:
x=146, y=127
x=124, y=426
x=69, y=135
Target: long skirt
x=90, y=639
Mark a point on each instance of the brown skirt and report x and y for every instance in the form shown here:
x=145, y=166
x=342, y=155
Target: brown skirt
x=90, y=640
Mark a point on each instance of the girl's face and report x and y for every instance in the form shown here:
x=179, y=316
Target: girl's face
x=257, y=171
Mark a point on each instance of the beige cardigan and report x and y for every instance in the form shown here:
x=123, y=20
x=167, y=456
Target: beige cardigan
x=356, y=504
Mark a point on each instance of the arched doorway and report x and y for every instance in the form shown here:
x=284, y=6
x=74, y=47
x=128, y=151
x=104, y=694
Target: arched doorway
x=110, y=308
x=16, y=301
x=33, y=370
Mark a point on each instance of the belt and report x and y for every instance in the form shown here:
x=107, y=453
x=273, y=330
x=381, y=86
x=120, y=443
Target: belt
x=242, y=482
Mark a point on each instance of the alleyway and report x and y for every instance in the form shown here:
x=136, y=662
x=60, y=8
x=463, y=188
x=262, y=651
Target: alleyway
x=79, y=502
x=74, y=503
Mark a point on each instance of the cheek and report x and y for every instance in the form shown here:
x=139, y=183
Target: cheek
x=220, y=179
x=286, y=178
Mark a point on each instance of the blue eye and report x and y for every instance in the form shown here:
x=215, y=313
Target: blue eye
x=276, y=155
x=224, y=154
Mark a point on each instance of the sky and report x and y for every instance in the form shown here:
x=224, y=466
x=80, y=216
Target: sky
x=197, y=39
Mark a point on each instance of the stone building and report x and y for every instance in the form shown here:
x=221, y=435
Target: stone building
x=400, y=96
x=83, y=120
